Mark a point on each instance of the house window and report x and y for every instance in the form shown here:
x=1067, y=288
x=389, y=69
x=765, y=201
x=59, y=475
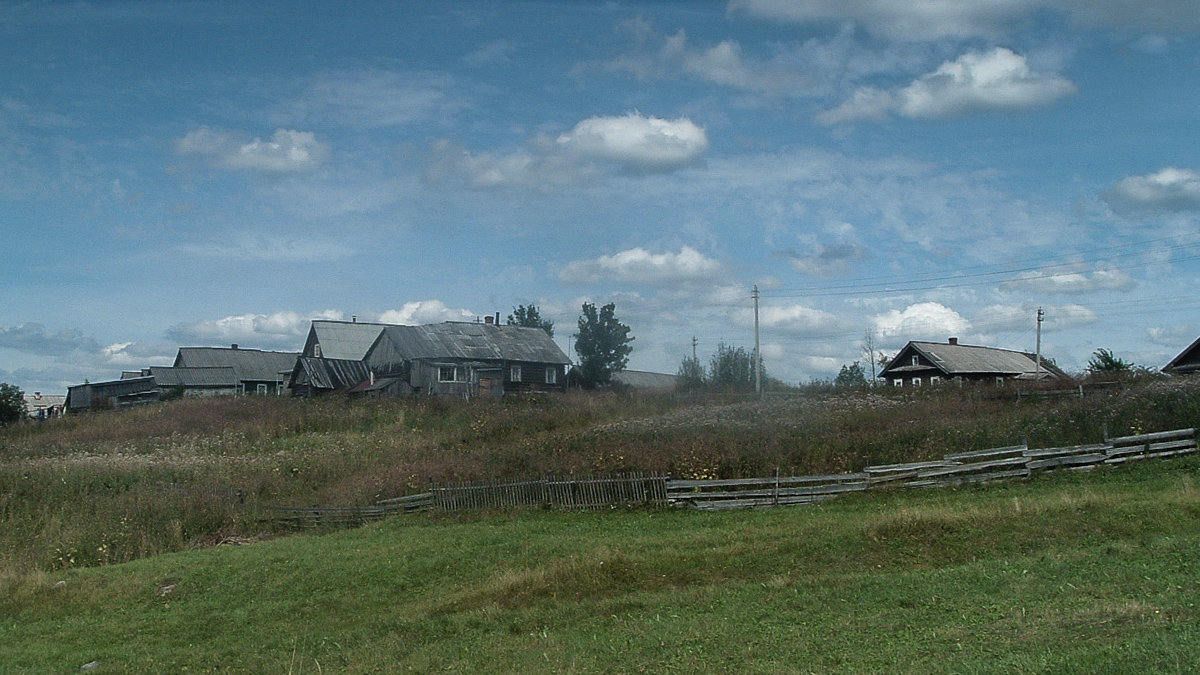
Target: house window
x=916, y=382
x=898, y=382
x=514, y=373
x=934, y=379
x=317, y=351
x=552, y=376
x=916, y=360
x=262, y=389
x=999, y=379
x=447, y=374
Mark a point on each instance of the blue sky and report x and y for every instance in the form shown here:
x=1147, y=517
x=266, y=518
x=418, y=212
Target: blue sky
x=206, y=173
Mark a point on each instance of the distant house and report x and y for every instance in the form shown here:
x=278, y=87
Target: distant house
x=41, y=406
x=447, y=359
x=1188, y=360
x=642, y=380
x=926, y=363
x=230, y=369
x=128, y=391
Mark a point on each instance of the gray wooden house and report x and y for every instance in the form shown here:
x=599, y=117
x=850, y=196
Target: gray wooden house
x=447, y=359
x=1187, y=361
x=927, y=363
x=245, y=371
x=120, y=393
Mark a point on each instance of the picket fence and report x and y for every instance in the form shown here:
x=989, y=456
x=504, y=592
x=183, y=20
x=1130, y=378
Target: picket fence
x=607, y=491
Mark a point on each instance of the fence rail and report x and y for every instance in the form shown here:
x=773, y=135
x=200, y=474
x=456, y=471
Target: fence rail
x=595, y=492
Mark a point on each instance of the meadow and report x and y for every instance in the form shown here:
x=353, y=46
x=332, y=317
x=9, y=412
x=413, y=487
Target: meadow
x=1091, y=572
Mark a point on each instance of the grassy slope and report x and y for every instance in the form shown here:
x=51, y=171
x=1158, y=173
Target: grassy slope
x=1070, y=572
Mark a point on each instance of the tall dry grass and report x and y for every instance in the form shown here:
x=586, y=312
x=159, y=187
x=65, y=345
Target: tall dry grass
x=114, y=486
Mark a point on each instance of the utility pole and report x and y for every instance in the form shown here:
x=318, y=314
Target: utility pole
x=757, y=354
x=1041, y=316
x=694, y=341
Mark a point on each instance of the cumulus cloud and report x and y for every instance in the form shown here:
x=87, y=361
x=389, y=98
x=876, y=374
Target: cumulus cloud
x=934, y=19
x=424, y=312
x=33, y=338
x=637, y=265
x=287, y=151
x=1014, y=318
x=637, y=142
x=975, y=82
x=284, y=329
x=921, y=321
x=1170, y=190
x=1070, y=282
x=797, y=319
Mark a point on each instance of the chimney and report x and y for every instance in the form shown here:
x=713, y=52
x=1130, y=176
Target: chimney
x=353, y=318
x=497, y=318
x=953, y=341
x=233, y=346
x=487, y=320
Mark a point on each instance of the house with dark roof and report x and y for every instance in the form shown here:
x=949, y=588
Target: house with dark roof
x=229, y=370
x=447, y=359
x=926, y=363
x=1187, y=361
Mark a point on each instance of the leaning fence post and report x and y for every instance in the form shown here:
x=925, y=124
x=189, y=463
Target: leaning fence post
x=775, y=496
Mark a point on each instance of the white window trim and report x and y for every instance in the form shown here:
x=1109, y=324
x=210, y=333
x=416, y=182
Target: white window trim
x=453, y=374
x=551, y=375
x=916, y=382
x=514, y=373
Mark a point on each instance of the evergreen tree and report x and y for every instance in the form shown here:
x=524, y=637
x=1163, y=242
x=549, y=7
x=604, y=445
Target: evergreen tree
x=530, y=317
x=602, y=344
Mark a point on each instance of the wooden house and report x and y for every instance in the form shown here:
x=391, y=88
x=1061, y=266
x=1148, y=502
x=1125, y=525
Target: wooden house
x=1187, y=361
x=120, y=393
x=447, y=359
x=244, y=371
x=928, y=363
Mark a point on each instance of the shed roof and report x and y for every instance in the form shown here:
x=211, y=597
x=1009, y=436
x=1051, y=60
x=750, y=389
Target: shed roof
x=322, y=373
x=247, y=364
x=470, y=341
x=1187, y=361
x=955, y=359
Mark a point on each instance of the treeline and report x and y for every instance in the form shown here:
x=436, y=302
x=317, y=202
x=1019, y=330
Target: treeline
x=730, y=369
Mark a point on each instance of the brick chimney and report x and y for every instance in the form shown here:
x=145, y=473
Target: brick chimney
x=953, y=341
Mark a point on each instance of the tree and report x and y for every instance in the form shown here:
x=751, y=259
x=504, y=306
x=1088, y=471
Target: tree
x=12, y=404
x=602, y=344
x=691, y=375
x=530, y=317
x=1104, y=362
x=869, y=353
x=851, y=376
x=731, y=368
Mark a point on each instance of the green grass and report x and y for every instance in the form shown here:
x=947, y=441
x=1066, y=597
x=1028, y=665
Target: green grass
x=1096, y=572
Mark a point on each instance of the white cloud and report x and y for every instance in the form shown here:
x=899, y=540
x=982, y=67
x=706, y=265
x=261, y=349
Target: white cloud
x=977, y=81
x=637, y=265
x=424, y=312
x=637, y=142
x=922, y=321
x=33, y=338
x=284, y=329
x=1070, y=282
x=287, y=151
x=1170, y=190
x=373, y=99
x=269, y=248
x=796, y=319
x=934, y=19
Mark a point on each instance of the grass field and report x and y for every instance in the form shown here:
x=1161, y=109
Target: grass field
x=117, y=533
x=1091, y=572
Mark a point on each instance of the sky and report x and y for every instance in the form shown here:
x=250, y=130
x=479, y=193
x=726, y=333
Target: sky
x=208, y=173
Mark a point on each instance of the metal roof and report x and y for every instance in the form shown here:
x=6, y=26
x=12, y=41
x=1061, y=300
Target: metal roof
x=1186, y=361
x=640, y=379
x=207, y=376
x=956, y=359
x=343, y=339
x=248, y=365
x=467, y=341
x=324, y=373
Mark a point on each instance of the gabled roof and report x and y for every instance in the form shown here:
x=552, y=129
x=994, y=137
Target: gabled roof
x=206, y=376
x=247, y=364
x=342, y=339
x=1186, y=361
x=463, y=341
x=954, y=360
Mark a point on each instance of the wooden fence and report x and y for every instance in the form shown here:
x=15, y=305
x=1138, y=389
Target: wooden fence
x=595, y=492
